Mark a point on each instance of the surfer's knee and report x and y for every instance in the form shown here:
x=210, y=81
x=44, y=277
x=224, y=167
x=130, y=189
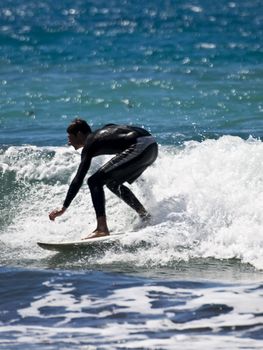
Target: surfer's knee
x=113, y=186
x=95, y=181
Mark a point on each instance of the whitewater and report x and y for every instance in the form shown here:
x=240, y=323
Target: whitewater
x=205, y=200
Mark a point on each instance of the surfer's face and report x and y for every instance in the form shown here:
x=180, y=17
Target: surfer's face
x=73, y=141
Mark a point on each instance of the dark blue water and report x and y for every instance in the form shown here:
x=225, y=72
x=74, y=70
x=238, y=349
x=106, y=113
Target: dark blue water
x=191, y=73
x=56, y=310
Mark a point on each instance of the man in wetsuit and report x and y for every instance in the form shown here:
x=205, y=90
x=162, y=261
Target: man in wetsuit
x=134, y=148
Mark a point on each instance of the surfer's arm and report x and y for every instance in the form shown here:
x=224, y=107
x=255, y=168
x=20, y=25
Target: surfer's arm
x=74, y=186
x=78, y=180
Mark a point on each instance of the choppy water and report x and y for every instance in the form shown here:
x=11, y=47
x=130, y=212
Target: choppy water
x=191, y=73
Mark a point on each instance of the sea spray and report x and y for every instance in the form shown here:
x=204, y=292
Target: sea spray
x=205, y=199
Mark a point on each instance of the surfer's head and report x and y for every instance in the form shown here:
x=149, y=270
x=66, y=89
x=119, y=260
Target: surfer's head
x=78, y=125
x=77, y=131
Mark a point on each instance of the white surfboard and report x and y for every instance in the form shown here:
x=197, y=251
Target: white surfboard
x=70, y=245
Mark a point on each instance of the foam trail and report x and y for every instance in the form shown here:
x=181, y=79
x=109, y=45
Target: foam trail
x=206, y=201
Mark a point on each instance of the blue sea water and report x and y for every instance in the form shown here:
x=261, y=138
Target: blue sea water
x=190, y=72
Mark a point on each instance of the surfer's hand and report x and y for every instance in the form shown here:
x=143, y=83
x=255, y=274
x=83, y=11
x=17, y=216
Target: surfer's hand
x=56, y=212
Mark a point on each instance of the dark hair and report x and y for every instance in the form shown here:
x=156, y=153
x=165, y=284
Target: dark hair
x=78, y=125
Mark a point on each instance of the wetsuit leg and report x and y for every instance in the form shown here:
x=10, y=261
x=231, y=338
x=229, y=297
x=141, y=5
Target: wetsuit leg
x=128, y=197
x=126, y=166
x=96, y=183
x=98, y=197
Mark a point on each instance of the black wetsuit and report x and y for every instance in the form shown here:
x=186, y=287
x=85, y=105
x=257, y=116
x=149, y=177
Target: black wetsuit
x=134, y=148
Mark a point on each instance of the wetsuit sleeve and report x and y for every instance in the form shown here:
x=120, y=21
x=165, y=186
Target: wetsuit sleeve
x=78, y=179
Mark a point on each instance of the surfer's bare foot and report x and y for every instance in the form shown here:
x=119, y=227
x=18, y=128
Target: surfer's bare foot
x=101, y=230
x=96, y=234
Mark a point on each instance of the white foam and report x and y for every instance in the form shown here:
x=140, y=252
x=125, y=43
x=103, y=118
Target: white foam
x=207, y=197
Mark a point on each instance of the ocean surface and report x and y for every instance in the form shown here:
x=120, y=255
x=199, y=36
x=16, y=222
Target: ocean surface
x=189, y=71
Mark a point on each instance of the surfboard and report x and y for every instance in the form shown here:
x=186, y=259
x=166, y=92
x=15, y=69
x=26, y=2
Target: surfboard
x=73, y=245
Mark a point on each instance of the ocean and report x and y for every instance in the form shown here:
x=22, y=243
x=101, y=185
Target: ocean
x=190, y=72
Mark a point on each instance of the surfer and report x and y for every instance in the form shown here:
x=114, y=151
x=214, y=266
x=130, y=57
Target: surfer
x=134, y=149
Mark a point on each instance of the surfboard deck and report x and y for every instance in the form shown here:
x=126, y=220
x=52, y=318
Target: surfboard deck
x=70, y=245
